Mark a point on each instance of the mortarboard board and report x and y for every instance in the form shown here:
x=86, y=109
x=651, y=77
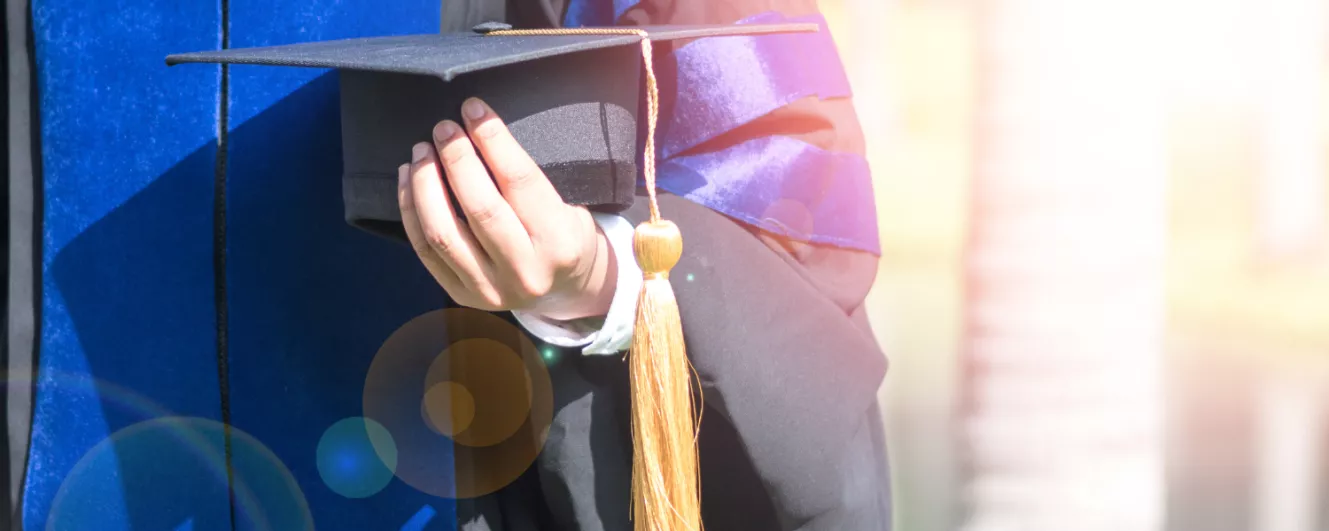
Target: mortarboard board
x=571, y=100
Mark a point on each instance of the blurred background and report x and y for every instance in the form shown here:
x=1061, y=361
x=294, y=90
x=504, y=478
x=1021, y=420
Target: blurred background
x=1104, y=287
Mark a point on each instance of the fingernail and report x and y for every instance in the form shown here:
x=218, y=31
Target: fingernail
x=401, y=173
x=419, y=152
x=474, y=109
x=444, y=131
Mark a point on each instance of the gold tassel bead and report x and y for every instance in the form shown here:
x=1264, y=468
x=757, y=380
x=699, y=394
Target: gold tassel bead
x=658, y=246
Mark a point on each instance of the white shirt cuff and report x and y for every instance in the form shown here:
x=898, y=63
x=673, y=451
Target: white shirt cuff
x=611, y=333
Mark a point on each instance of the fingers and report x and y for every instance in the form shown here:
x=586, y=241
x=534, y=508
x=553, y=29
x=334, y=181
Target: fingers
x=440, y=233
x=495, y=225
x=434, y=263
x=523, y=184
x=514, y=245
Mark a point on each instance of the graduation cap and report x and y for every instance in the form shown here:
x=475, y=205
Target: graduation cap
x=571, y=98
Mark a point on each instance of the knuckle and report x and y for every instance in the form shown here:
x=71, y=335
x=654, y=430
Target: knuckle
x=522, y=177
x=531, y=287
x=437, y=242
x=564, y=257
x=564, y=252
x=483, y=215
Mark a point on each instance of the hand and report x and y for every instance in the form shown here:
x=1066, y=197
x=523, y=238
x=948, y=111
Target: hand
x=520, y=247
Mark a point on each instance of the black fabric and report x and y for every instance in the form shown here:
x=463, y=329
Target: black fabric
x=22, y=215
x=220, y=273
x=791, y=437
x=585, y=467
x=583, y=136
x=797, y=376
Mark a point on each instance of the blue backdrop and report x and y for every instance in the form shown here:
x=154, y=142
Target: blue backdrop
x=154, y=240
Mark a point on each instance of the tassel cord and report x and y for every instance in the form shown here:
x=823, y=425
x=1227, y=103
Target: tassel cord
x=652, y=94
x=665, y=425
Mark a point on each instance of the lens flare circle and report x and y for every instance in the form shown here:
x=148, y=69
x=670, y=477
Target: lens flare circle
x=493, y=375
x=349, y=459
x=165, y=471
x=448, y=408
x=467, y=399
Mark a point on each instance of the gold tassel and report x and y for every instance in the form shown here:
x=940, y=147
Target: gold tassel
x=664, y=452
x=665, y=470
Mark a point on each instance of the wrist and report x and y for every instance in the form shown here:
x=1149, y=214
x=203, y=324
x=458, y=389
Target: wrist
x=594, y=294
x=622, y=280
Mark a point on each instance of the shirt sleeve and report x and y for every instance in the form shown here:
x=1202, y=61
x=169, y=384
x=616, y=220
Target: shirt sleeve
x=611, y=333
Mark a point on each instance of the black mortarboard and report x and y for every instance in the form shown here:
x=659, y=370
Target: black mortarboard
x=570, y=100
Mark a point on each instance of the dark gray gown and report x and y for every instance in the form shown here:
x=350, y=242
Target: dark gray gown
x=792, y=435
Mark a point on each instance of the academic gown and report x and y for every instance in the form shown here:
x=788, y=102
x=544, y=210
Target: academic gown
x=791, y=436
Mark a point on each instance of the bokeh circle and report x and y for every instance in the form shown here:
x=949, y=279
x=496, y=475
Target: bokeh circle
x=467, y=399
x=349, y=458
x=495, y=383
x=449, y=408
x=170, y=472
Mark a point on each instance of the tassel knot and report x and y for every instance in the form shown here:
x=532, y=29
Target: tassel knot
x=658, y=246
